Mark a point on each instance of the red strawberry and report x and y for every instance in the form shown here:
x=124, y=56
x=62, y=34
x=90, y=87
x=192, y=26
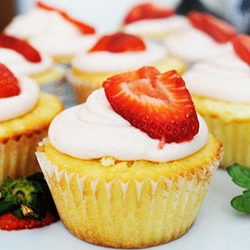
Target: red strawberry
x=20, y=46
x=83, y=27
x=147, y=11
x=119, y=42
x=10, y=222
x=241, y=44
x=8, y=83
x=218, y=29
x=158, y=104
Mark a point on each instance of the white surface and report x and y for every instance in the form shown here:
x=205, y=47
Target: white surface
x=218, y=227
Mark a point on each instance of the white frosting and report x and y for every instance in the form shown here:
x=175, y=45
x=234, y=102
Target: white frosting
x=49, y=32
x=157, y=26
x=16, y=106
x=103, y=61
x=225, y=77
x=193, y=45
x=93, y=130
x=19, y=65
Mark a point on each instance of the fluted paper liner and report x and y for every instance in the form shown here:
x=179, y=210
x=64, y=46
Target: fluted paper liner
x=127, y=214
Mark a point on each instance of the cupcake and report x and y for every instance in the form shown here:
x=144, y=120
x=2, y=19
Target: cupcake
x=130, y=167
x=115, y=53
x=152, y=21
x=25, y=115
x=24, y=59
x=221, y=92
x=206, y=37
x=52, y=31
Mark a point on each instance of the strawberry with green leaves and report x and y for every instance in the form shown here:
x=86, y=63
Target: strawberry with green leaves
x=157, y=104
x=119, y=42
x=26, y=203
x=8, y=83
x=20, y=46
x=218, y=29
x=241, y=176
x=147, y=10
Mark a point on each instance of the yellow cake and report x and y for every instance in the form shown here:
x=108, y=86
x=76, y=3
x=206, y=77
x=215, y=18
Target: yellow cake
x=89, y=70
x=19, y=134
x=115, y=186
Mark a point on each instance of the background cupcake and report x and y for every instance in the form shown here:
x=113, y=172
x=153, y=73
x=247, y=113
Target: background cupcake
x=221, y=92
x=25, y=114
x=117, y=182
x=113, y=53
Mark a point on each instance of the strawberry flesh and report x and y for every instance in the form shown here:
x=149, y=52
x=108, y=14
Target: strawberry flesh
x=20, y=46
x=8, y=83
x=157, y=104
x=241, y=44
x=119, y=42
x=82, y=27
x=147, y=11
x=218, y=29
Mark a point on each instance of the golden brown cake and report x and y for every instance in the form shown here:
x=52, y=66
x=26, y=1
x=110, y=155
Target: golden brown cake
x=117, y=182
x=24, y=121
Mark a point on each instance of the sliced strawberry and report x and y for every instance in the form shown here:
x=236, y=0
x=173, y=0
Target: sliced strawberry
x=20, y=46
x=119, y=42
x=10, y=222
x=8, y=83
x=241, y=44
x=158, y=104
x=83, y=27
x=218, y=29
x=147, y=11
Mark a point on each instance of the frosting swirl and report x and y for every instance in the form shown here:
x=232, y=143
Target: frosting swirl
x=94, y=130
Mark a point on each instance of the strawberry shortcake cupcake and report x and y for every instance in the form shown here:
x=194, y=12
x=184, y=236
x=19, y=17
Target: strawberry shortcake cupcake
x=131, y=166
x=221, y=92
x=113, y=53
x=25, y=115
x=206, y=37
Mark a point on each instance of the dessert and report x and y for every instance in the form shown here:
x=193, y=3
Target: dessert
x=25, y=115
x=52, y=31
x=220, y=90
x=114, y=53
x=26, y=203
x=206, y=37
x=130, y=167
x=152, y=21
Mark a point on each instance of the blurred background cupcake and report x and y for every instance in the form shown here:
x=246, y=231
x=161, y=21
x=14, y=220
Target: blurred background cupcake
x=25, y=115
x=113, y=53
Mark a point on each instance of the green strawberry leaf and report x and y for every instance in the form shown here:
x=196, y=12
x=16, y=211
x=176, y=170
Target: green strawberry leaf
x=242, y=202
x=240, y=175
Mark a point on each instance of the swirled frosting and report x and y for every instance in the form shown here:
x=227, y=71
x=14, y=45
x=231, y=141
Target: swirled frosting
x=19, y=65
x=194, y=45
x=225, y=77
x=16, y=106
x=49, y=32
x=104, y=61
x=94, y=129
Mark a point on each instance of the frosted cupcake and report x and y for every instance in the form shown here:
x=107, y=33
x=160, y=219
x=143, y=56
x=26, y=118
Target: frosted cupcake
x=114, y=53
x=25, y=115
x=221, y=92
x=206, y=37
x=130, y=167
x=152, y=21
x=52, y=31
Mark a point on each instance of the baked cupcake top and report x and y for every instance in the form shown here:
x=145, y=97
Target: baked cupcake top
x=17, y=95
x=136, y=115
x=225, y=77
x=206, y=37
x=21, y=57
x=117, y=52
x=52, y=30
x=151, y=19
